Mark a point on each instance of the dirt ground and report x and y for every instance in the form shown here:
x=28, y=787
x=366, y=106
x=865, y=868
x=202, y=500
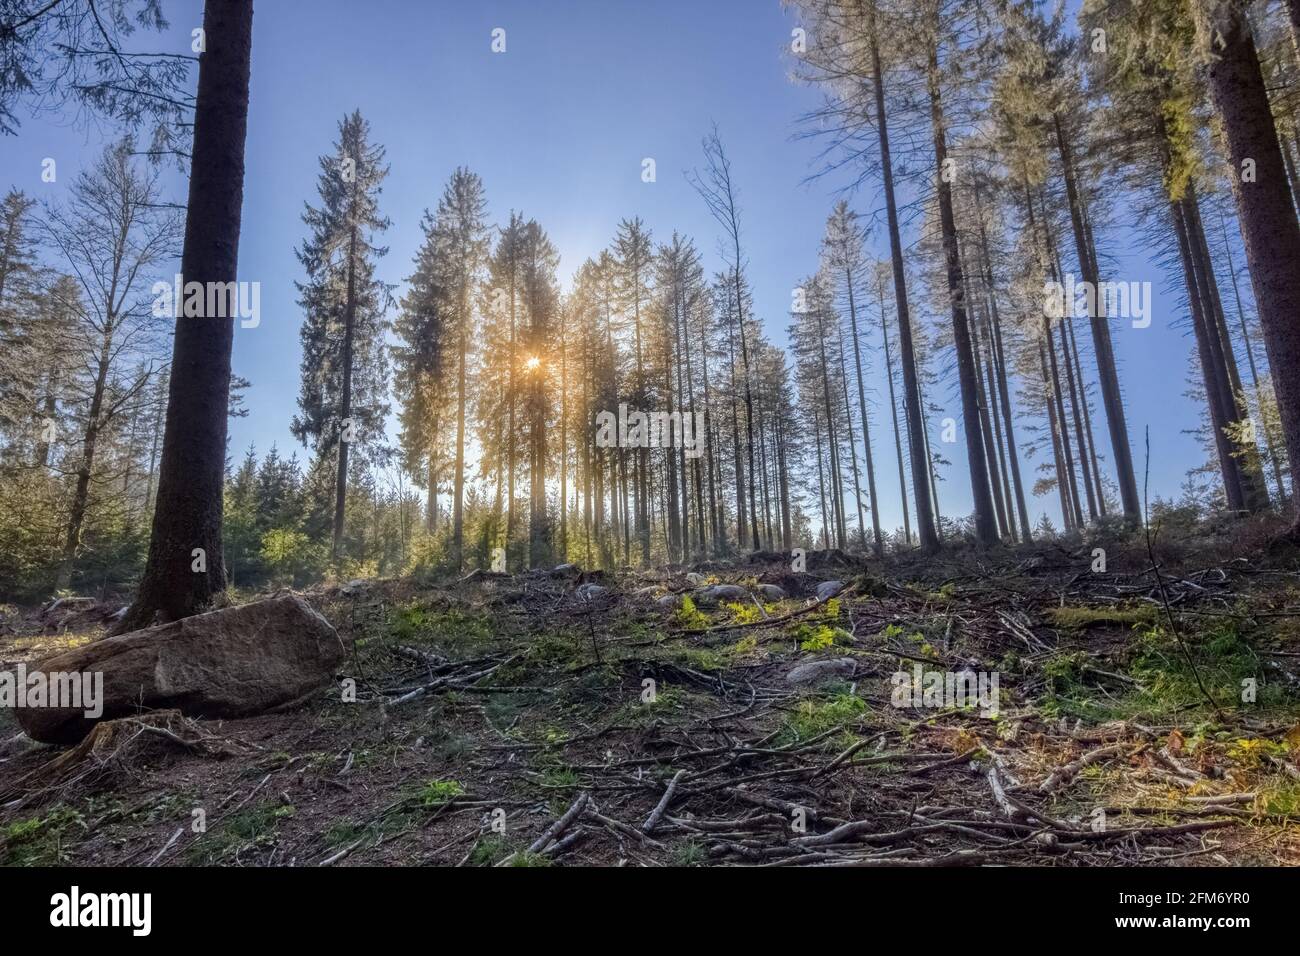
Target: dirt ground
x=1141, y=718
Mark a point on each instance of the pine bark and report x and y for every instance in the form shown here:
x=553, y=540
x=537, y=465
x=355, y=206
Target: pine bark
x=188, y=509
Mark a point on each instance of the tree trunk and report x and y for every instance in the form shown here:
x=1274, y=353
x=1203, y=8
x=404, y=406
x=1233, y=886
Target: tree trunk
x=1062, y=485
x=853, y=450
x=431, y=501
x=1000, y=362
x=1252, y=476
x=1078, y=411
x=1273, y=457
x=986, y=532
x=1215, y=396
x=1087, y=414
x=866, y=429
x=986, y=419
x=1067, y=456
x=188, y=512
x=787, y=538
x=90, y=441
x=345, y=411
x=893, y=412
x=511, y=431
x=1122, y=454
x=926, y=523
x=457, y=555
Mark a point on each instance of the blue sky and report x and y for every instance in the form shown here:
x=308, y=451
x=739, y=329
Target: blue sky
x=557, y=127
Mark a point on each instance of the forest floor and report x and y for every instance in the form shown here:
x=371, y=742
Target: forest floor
x=505, y=720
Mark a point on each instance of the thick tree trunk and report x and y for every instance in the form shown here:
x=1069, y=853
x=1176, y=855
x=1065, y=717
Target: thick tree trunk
x=188, y=512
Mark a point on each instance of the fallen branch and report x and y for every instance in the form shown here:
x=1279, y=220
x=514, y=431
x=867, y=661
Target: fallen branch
x=1064, y=774
x=652, y=821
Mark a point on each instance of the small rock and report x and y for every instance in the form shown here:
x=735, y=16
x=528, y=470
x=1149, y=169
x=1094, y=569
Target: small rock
x=590, y=592
x=770, y=592
x=724, y=592
x=670, y=602
x=695, y=579
x=828, y=589
x=817, y=671
x=565, y=571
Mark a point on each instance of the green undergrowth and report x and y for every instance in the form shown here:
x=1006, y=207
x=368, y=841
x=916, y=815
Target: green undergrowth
x=1153, y=677
x=814, y=716
x=253, y=828
x=40, y=840
x=1078, y=618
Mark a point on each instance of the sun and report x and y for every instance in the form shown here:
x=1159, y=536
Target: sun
x=532, y=364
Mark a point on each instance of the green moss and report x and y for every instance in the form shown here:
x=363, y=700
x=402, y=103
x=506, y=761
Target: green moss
x=40, y=841
x=813, y=717
x=1282, y=801
x=1078, y=618
x=689, y=617
x=1165, y=681
x=820, y=636
x=437, y=793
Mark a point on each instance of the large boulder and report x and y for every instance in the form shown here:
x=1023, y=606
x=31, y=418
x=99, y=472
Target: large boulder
x=228, y=663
